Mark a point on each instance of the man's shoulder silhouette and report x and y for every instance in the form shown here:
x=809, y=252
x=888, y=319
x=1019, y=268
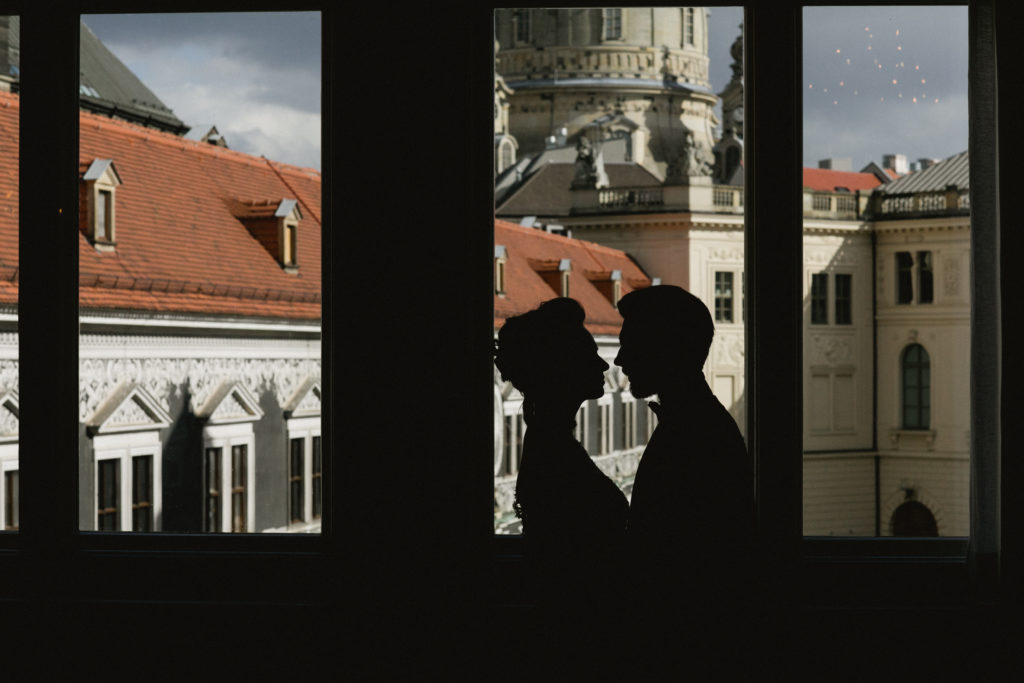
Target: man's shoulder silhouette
x=693, y=491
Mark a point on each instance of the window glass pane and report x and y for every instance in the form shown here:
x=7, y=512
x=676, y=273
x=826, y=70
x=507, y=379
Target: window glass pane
x=886, y=441
x=199, y=270
x=656, y=136
x=10, y=87
x=844, y=302
x=819, y=298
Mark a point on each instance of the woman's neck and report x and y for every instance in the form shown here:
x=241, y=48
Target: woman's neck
x=551, y=413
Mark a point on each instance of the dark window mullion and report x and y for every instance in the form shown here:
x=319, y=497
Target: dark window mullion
x=48, y=284
x=774, y=265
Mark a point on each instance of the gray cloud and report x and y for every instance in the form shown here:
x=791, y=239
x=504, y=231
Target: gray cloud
x=862, y=115
x=255, y=75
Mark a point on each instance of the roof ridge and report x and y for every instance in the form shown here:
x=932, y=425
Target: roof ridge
x=172, y=140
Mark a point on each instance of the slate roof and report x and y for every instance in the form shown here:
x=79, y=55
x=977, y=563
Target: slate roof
x=179, y=247
x=827, y=180
x=546, y=192
x=109, y=87
x=525, y=289
x=954, y=170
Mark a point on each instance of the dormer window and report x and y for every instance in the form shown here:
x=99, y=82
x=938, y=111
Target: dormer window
x=609, y=283
x=500, y=261
x=275, y=225
x=99, y=183
x=288, y=245
x=555, y=272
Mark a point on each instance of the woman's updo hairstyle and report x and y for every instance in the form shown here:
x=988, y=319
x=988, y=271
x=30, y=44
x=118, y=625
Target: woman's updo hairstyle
x=529, y=345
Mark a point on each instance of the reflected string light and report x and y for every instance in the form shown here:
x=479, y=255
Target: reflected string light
x=886, y=60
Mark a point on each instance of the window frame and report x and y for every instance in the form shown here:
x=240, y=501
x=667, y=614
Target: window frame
x=847, y=570
x=124, y=448
x=227, y=437
x=305, y=429
x=49, y=546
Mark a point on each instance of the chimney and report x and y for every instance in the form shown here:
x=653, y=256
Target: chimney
x=837, y=164
x=896, y=162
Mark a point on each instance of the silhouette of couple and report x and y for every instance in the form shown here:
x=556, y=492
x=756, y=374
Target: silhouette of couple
x=660, y=580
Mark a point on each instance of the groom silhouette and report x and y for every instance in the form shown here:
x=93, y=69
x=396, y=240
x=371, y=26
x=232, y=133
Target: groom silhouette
x=691, y=514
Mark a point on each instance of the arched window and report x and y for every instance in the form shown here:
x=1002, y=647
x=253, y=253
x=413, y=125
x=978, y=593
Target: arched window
x=916, y=387
x=914, y=519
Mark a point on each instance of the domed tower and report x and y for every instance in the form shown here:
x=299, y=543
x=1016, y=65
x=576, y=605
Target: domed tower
x=634, y=73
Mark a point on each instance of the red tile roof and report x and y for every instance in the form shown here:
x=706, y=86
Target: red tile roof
x=179, y=247
x=525, y=289
x=827, y=180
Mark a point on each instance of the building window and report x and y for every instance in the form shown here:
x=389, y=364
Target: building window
x=230, y=478
x=743, y=295
x=629, y=431
x=12, y=507
x=104, y=208
x=289, y=245
x=688, y=28
x=108, y=494
x=904, y=277
x=239, y=488
x=230, y=445
x=296, y=485
x=723, y=297
x=305, y=470
x=500, y=262
x=924, y=277
x=580, y=430
x=844, y=299
x=515, y=425
x=142, y=493
x=97, y=196
x=316, y=479
x=613, y=24
x=916, y=387
x=211, y=507
x=604, y=425
x=524, y=31
x=819, y=299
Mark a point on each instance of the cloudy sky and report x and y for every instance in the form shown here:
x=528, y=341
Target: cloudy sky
x=863, y=69
x=256, y=76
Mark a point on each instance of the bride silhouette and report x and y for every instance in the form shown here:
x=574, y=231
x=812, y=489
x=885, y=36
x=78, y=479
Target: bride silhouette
x=573, y=516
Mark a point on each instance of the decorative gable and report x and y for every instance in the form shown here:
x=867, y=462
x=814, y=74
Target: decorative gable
x=230, y=402
x=9, y=416
x=305, y=402
x=275, y=225
x=128, y=408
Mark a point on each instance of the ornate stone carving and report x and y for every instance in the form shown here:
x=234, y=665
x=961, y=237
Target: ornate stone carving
x=727, y=349
x=831, y=349
x=586, y=166
x=229, y=408
x=697, y=158
x=129, y=413
x=9, y=374
x=167, y=378
x=8, y=421
x=951, y=275
x=726, y=254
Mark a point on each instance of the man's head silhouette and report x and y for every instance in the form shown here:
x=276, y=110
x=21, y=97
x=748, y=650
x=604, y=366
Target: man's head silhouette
x=665, y=338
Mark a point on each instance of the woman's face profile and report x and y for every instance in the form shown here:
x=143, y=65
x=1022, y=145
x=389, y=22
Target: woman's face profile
x=578, y=371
